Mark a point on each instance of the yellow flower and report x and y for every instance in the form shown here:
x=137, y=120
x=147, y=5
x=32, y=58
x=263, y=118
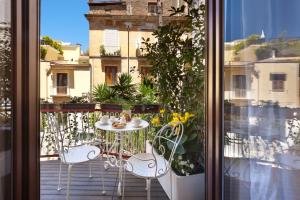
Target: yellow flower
x=175, y=115
x=162, y=111
x=155, y=121
x=188, y=115
x=183, y=119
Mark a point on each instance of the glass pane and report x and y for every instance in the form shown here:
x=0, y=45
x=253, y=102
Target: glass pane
x=262, y=115
x=137, y=68
x=5, y=100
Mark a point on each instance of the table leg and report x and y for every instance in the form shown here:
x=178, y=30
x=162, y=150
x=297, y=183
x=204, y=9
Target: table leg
x=120, y=136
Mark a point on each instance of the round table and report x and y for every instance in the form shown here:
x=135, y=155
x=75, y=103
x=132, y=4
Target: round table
x=129, y=127
x=112, y=161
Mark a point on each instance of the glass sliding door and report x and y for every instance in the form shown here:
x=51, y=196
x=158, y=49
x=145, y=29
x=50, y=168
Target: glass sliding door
x=5, y=101
x=261, y=100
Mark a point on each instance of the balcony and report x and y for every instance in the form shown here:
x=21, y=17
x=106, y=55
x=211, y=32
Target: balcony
x=110, y=51
x=81, y=118
x=60, y=91
x=140, y=53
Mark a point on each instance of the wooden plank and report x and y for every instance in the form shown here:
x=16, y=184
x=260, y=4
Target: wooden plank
x=83, y=187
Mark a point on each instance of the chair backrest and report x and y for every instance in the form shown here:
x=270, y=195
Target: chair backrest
x=164, y=146
x=59, y=136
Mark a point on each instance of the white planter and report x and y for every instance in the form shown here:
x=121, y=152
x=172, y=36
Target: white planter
x=182, y=187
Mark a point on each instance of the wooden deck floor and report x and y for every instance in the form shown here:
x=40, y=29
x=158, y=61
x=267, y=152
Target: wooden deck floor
x=84, y=188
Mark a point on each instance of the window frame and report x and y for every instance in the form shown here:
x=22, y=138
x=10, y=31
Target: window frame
x=26, y=180
x=278, y=81
x=154, y=6
x=114, y=79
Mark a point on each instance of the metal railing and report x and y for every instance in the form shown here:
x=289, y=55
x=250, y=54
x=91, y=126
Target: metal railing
x=110, y=51
x=60, y=90
x=78, y=120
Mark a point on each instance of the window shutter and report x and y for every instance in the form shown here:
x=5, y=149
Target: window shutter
x=111, y=40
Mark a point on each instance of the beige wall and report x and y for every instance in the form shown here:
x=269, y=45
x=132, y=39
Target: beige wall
x=228, y=85
x=81, y=82
x=78, y=81
x=52, y=54
x=98, y=64
x=71, y=52
x=290, y=96
x=260, y=85
x=44, y=89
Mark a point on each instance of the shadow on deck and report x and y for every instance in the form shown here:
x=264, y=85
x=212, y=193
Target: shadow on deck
x=85, y=188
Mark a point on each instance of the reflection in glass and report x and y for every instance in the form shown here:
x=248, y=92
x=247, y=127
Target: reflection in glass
x=5, y=100
x=262, y=100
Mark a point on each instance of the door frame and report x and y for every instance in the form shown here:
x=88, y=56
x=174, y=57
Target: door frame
x=214, y=99
x=25, y=109
x=26, y=171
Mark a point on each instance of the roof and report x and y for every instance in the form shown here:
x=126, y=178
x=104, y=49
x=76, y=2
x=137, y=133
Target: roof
x=238, y=64
x=295, y=59
x=105, y=2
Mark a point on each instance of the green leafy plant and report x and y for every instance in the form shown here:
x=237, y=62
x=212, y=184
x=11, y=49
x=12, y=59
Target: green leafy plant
x=263, y=52
x=124, y=88
x=178, y=70
x=43, y=53
x=77, y=99
x=147, y=94
x=103, y=93
x=103, y=52
x=252, y=39
x=47, y=40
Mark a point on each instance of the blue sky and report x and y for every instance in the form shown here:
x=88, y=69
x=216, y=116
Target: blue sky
x=64, y=20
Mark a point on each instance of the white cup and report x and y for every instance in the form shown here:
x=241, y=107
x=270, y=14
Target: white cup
x=113, y=119
x=136, y=121
x=104, y=119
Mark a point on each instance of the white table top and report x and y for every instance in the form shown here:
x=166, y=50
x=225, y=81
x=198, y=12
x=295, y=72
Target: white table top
x=129, y=127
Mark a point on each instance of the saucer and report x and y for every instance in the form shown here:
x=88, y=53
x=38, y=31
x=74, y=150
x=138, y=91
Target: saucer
x=138, y=126
x=102, y=123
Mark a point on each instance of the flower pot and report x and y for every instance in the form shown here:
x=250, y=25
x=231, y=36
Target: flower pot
x=181, y=187
x=105, y=107
x=146, y=108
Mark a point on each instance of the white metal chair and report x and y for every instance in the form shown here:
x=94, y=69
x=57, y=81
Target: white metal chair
x=72, y=155
x=157, y=163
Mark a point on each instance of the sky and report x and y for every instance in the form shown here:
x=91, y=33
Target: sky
x=64, y=20
x=276, y=17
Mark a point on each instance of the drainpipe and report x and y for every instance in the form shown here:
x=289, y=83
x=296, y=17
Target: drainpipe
x=159, y=12
x=128, y=47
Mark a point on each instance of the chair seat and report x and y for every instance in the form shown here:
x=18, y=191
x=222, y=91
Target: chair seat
x=81, y=154
x=143, y=165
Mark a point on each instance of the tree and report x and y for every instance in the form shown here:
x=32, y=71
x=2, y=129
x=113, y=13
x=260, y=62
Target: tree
x=46, y=40
x=178, y=69
x=43, y=53
x=178, y=59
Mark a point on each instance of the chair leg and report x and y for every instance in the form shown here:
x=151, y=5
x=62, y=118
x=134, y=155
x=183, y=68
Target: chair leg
x=59, y=177
x=69, y=181
x=148, y=189
x=103, y=188
x=90, y=166
x=124, y=177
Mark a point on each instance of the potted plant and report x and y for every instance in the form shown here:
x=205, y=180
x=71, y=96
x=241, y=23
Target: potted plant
x=113, y=97
x=146, y=99
x=78, y=103
x=187, y=172
x=178, y=69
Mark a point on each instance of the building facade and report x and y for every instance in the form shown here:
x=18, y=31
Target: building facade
x=64, y=76
x=116, y=32
x=257, y=81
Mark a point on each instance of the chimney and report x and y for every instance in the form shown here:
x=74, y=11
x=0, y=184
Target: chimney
x=273, y=54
